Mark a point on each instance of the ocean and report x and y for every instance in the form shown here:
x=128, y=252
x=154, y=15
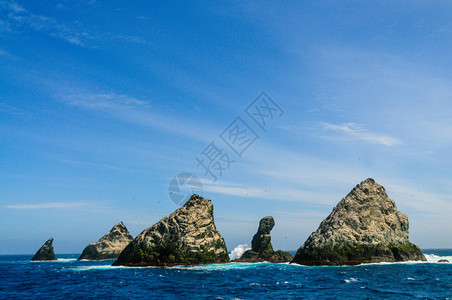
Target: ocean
x=69, y=278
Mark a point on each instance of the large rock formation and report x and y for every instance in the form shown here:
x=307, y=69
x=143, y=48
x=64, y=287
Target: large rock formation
x=364, y=227
x=261, y=246
x=110, y=245
x=45, y=252
x=187, y=236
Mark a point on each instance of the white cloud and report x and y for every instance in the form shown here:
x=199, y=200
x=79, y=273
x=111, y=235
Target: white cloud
x=19, y=17
x=277, y=193
x=426, y=202
x=411, y=97
x=75, y=34
x=356, y=132
x=103, y=166
x=16, y=7
x=9, y=109
x=139, y=222
x=7, y=55
x=49, y=205
x=141, y=113
x=106, y=101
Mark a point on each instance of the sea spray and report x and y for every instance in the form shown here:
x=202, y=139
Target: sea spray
x=238, y=251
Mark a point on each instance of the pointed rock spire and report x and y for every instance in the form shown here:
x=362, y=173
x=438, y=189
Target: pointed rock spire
x=365, y=226
x=185, y=237
x=110, y=245
x=45, y=252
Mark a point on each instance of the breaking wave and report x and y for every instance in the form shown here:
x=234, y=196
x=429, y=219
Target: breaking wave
x=432, y=258
x=238, y=251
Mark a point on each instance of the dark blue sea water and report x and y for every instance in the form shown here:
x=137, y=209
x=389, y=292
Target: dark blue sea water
x=69, y=278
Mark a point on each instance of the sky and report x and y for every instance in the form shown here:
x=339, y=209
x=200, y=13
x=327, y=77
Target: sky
x=279, y=108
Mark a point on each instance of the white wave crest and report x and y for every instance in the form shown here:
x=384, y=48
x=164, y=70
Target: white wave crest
x=223, y=266
x=432, y=258
x=103, y=267
x=66, y=260
x=59, y=260
x=238, y=251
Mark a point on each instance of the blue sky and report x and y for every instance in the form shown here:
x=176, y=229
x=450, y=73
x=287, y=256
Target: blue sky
x=102, y=103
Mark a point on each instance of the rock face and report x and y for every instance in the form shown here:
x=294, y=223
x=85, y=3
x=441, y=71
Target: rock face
x=261, y=243
x=45, y=252
x=261, y=246
x=110, y=245
x=364, y=227
x=187, y=236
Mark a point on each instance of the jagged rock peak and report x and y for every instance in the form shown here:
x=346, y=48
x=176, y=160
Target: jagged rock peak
x=365, y=226
x=45, y=252
x=110, y=245
x=187, y=236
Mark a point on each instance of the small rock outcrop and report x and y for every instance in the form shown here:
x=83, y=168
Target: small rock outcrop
x=45, y=252
x=185, y=237
x=261, y=246
x=364, y=227
x=281, y=256
x=443, y=261
x=110, y=245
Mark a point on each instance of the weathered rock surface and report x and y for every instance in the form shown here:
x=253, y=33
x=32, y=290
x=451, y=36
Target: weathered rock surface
x=110, y=245
x=261, y=243
x=45, y=252
x=281, y=256
x=187, y=236
x=364, y=227
x=261, y=246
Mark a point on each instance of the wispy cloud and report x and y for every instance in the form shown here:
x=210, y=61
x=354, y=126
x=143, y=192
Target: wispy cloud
x=106, y=101
x=16, y=17
x=319, y=180
x=355, y=132
x=5, y=108
x=50, y=205
x=16, y=8
x=286, y=167
x=103, y=166
x=139, y=112
x=426, y=202
x=418, y=88
x=277, y=193
x=139, y=222
x=298, y=214
x=6, y=54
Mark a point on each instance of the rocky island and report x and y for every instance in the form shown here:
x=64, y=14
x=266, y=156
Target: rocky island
x=262, y=249
x=45, y=252
x=364, y=227
x=187, y=236
x=110, y=245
